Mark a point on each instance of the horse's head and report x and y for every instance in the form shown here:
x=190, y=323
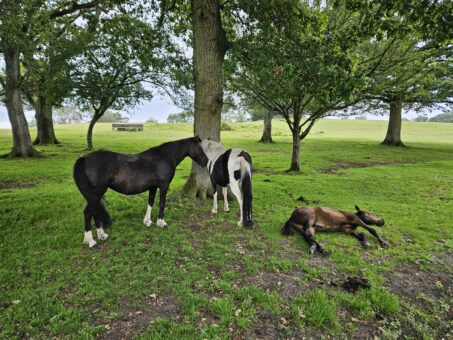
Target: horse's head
x=369, y=218
x=197, y=153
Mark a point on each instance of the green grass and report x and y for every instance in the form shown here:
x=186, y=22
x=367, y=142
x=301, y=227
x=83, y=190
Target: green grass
x=205, y=277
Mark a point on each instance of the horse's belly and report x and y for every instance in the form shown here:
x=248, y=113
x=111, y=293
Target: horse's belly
x=326, y=227
x=131, y=185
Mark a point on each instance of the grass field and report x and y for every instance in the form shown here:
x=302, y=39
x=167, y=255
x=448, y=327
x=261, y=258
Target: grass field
x=204, y=277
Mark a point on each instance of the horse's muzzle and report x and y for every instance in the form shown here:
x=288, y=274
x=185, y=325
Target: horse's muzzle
x=380, y=223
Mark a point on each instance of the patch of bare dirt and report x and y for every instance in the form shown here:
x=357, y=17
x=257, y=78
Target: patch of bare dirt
x=15, y=185
x=341, y=165
x=266, y=327
x=428, y=289
x=134, y=320
x=285, y=284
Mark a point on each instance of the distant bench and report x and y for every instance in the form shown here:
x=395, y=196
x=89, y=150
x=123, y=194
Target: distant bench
x=127, y=127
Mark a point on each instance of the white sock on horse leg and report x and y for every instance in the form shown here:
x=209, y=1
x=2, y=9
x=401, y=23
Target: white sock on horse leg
x=147, y=220
x=88, y=239
x=161, y=223
x=225, y=199
x=101, y=234
x=214, y=206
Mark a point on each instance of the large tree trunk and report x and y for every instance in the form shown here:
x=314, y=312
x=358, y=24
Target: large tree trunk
x=295, y=155
x=267, y=129
x=44, y=122
x=22, y=146
x=393, y=137
x=210, y=45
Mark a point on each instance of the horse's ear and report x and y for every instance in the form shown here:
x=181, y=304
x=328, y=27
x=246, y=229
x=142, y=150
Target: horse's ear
x=197, y=139
x=357, y=208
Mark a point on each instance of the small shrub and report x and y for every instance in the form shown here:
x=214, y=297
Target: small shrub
x=225, y=127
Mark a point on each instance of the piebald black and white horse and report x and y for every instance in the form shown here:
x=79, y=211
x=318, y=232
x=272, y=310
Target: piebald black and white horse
x=130, y=174
x=229, y=167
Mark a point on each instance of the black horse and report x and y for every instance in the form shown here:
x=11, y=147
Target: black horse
x=130, y=174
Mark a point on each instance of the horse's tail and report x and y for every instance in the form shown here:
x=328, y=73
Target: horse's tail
x=246, y=179
x=93, y=198
x=287, y=228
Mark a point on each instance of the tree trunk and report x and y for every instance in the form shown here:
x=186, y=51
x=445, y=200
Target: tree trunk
x=44, y=122
x=210, y=45
x=90, y=130
x=22, y=146
x=295, y=155
x=393, y=137
x=267, y=129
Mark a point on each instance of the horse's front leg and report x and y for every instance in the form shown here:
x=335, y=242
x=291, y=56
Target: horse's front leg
x=152, y=195
x=225, y=199
x=375, y=234
x=163, y=195
x=237, y=192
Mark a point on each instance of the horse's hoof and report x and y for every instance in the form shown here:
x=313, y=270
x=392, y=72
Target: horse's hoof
x=366, y=244
x=214, y=211
x=90, y=243
x=248, y=224
x=312, y=250
x=240, y=223
x=147, y=223
x=226, y=209
x=384, y=244
x=101, y=234
x=161, y=223
x=323, y=252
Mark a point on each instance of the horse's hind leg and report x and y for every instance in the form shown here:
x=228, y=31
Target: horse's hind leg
x=102, y=235
x=152, y=195
x=163, y=195
x=214, y=200
x=237, y=192
x=88, y=236
x=225, y=199
x=309, y=235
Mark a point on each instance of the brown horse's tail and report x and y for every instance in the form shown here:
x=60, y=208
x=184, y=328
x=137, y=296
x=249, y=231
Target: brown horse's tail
x=287, y=228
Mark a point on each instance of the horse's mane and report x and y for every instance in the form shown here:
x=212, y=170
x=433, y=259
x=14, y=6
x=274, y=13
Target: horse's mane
x=171, y=144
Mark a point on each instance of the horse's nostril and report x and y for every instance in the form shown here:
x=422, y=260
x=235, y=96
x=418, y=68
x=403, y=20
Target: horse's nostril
x=382, y=222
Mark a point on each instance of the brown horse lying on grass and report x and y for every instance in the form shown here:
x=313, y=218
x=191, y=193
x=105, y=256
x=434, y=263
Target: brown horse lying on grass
x=308, y=220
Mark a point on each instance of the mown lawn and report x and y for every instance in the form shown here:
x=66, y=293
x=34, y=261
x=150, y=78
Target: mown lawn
x=205, y=277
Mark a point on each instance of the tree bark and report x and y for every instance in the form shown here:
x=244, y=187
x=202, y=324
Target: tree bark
x=44, y=122
x=210, y=46
x=90, y=130
x=295, y=155
x=267, y=129
x=393, y=137
x=22, y=146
